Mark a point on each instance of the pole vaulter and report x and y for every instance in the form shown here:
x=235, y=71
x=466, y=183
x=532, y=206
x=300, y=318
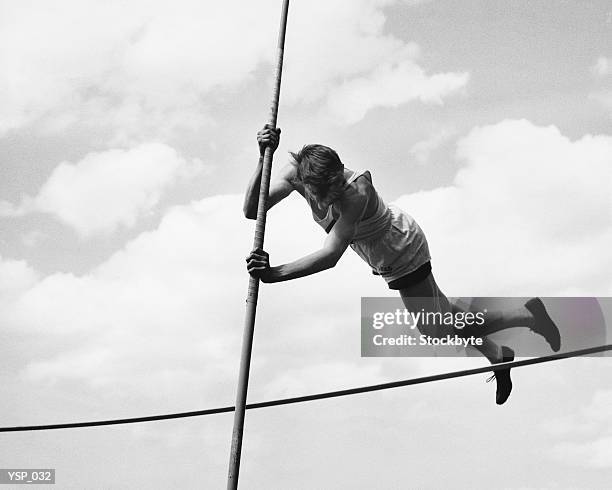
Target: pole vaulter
x=253, y=291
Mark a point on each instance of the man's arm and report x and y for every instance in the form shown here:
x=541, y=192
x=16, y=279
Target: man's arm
x=336, y=242
x=280, y=187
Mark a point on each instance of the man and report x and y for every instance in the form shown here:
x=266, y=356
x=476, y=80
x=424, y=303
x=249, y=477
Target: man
x=349, y=209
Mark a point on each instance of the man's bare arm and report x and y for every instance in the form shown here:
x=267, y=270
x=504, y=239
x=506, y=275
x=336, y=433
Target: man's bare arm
x=280, y=188
x=336, y=243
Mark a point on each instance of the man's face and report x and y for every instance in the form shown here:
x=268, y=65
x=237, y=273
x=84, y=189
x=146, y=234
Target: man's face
x=333, y=194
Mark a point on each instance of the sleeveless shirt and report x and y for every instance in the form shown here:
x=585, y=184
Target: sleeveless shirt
x=367, y=229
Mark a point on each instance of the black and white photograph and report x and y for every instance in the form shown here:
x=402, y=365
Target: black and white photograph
x=306, y=244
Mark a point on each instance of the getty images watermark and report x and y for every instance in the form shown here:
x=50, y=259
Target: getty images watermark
x=432, y=321
x=427, y=328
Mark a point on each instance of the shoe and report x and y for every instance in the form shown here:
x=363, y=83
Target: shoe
x=544, y=325
x=502, y=376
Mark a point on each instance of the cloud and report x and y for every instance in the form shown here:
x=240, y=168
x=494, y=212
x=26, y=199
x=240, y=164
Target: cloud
x=593, y=454
x=107, y=189
x=158, y=306
x=391, y=86
x=601, y=70
x=163, y=315
x=593, y=423
x=529, y=206
x=422, y=150
x=604, y=98
x=134, y=67
x=324, y=376
x=142, y=70
x=602, y=67
x=15, y=276
x=353, y=65
x=156, y=327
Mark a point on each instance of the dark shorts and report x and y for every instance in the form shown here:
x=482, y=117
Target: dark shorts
x=412, y=278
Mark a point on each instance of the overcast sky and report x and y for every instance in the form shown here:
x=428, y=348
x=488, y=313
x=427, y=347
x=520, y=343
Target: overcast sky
x=127, y=137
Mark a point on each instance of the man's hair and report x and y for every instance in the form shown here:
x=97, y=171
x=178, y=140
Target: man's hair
x=320, y=168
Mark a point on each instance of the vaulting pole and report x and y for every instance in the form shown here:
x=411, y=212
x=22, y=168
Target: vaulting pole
x=253, y=291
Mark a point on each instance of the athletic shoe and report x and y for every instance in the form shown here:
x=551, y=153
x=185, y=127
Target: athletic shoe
x=502, y=376
x=544, y=325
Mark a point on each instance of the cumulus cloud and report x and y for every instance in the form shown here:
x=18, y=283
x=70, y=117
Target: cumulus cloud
x=601, y=70
x=165, y=311
x=390, y=86
x=422, y=150
x=151, y=307
x=529, y=206
x=157, y=326
x=592, y=423
x=143, y=69
x=602, y=67
x=324, y=376
x=15, y=276
x=593, y=454
x=345, y=58
x=604, y=98
x=132, y=66
x=107, y=189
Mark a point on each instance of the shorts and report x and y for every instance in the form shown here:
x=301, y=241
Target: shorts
x=400, y=251
x=411, y=278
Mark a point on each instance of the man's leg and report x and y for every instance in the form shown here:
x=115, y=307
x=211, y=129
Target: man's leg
x=496, y=321
x=532, y=315
x=428, y=296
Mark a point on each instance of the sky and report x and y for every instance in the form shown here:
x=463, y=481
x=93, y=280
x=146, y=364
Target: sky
x=127, y=138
